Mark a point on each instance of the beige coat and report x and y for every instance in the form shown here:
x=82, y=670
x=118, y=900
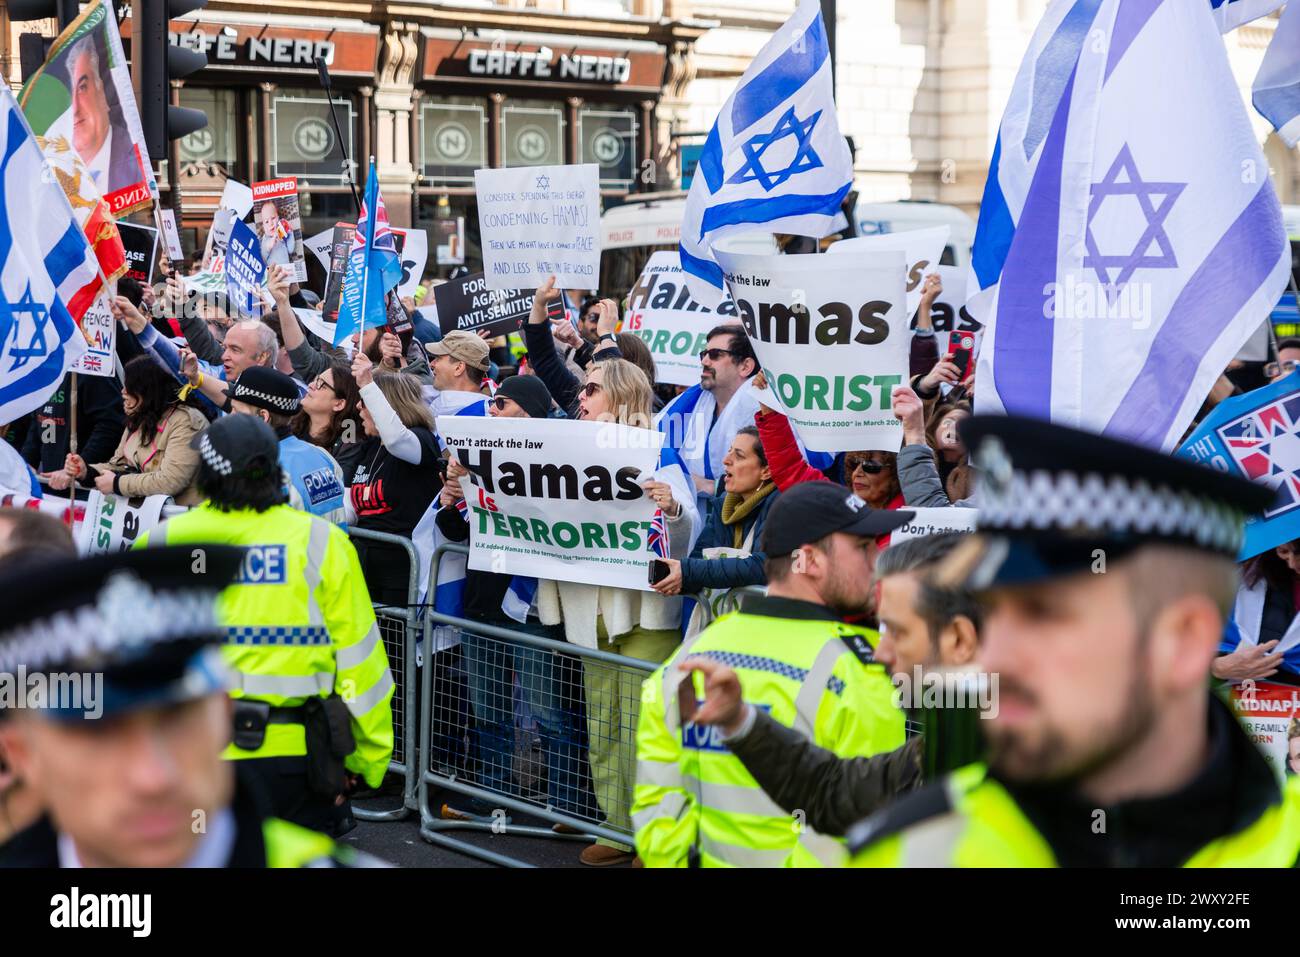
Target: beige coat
x=171, y=469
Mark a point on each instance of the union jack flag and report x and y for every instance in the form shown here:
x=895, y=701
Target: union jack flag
x=657, y=540
x=1265, y=444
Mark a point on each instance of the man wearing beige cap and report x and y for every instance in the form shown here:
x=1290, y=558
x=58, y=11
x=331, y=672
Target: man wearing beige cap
x=459, y=363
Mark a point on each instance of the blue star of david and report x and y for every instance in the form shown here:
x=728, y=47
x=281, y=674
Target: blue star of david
x=805, y=158
x=543, y=182
x=1141, y=257
x=36, y=348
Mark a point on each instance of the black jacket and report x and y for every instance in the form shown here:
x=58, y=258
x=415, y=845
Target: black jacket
x=100, y=421
x=484, y=591
x=833, y=792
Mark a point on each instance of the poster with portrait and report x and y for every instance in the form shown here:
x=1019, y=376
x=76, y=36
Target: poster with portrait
x=81, y=100
x=277, y=223
x=236, y=203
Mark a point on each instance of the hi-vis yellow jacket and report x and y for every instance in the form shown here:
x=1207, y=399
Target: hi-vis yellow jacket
x=810, y=671
x=299, y=624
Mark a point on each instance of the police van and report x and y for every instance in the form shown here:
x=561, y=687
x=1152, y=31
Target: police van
x=647, y=223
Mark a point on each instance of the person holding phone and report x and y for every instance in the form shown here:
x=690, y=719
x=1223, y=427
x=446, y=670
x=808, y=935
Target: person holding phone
x=799, y=658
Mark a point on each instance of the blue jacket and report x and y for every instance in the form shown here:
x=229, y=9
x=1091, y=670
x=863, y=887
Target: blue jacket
x=315, y=479
x=699, y=572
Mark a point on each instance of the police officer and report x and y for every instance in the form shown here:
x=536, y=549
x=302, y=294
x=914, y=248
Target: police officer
x=131, y=640
x=1106, y=570
x=799, y=660
x=312, y=687
x=313, y=478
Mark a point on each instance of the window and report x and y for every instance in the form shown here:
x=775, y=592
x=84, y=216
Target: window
x=453, y=134
x=210, y=156
x=303, y=141
x=608, y=138
x=532, y=134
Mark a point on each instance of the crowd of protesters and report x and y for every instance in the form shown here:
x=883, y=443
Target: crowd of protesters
x=359, y=446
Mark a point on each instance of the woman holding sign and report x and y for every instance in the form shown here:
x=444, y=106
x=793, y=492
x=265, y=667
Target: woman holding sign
x=625, y=621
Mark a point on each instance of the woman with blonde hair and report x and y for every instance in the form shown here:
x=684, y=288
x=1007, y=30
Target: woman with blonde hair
x=397, y=473
x=625, y=621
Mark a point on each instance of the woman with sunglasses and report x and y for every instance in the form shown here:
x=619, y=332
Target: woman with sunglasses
x=872, y=475
x=540, y=336
x=329, y=418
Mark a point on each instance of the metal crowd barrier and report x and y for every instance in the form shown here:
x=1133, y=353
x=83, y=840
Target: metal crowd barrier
x=514, y=720
x=401, y=631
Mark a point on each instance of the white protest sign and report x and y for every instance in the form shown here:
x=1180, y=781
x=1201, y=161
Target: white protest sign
x=661, y=311
x=935, y=521
x=540, y=221
x=831, y=334
x=113, y=522
x=100, y=329
x=415, y=253
x=171, y=235
x=921, y=247
x=320, y=246
x=557, y=499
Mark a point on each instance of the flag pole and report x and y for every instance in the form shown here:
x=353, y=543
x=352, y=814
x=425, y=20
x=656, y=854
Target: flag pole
x=322, y=69
x=369, y=241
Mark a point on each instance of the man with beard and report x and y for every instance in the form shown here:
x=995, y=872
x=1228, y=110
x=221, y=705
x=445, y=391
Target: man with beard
x=799, y=657
x=1105, y=570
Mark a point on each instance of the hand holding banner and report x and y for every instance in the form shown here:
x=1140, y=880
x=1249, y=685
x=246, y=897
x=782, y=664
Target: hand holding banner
x=557, y=499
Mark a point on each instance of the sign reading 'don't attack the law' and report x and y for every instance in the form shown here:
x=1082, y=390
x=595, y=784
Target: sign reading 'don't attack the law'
x=552, y=498
x=540, y=221
x=661, y=311
x=831, y=333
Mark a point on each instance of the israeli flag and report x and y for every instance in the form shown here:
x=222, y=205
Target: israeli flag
x=775, y=160
x=41, y=249
x=1277, y=87
x=1129, y=240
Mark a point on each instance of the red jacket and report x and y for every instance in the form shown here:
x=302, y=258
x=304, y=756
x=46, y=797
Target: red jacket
x=787, y=462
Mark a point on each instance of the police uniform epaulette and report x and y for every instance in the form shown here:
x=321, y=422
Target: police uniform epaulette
x=858, y=644
x=928, y=802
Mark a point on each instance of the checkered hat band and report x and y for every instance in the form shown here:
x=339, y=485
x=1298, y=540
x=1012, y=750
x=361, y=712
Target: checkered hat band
x=108, y=627
x=283, y=403
x=214, y=459
x=1042, y=501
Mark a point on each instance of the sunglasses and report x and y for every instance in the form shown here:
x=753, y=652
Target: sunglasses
x=498, y=402
x=1274, y=369
x=590, y=389
x=868, y=466
x=713, y=355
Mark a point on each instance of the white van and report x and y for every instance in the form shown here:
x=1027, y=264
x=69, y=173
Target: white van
x=653, y=221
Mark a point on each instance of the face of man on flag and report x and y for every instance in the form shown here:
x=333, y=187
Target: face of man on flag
x=90, y=121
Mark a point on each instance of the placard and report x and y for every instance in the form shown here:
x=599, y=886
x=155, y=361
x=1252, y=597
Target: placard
x=245, y=272
x=1267, y=710
x=831, y=334
x=236, y=201
x=558, y=499
x=171, y=235
x=278, y=225
x=100, y=329
x=141, y=245
x=540, y=221
x=469, y=305
x=112, y=523
x=935, y=521
x=922, y=249
x=661, y=311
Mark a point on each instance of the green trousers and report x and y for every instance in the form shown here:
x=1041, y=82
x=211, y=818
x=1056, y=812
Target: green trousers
x=613, y=708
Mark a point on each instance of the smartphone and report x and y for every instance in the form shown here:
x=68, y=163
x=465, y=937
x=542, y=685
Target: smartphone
x=659, y=570
x=687, y=703
x=961, y=345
